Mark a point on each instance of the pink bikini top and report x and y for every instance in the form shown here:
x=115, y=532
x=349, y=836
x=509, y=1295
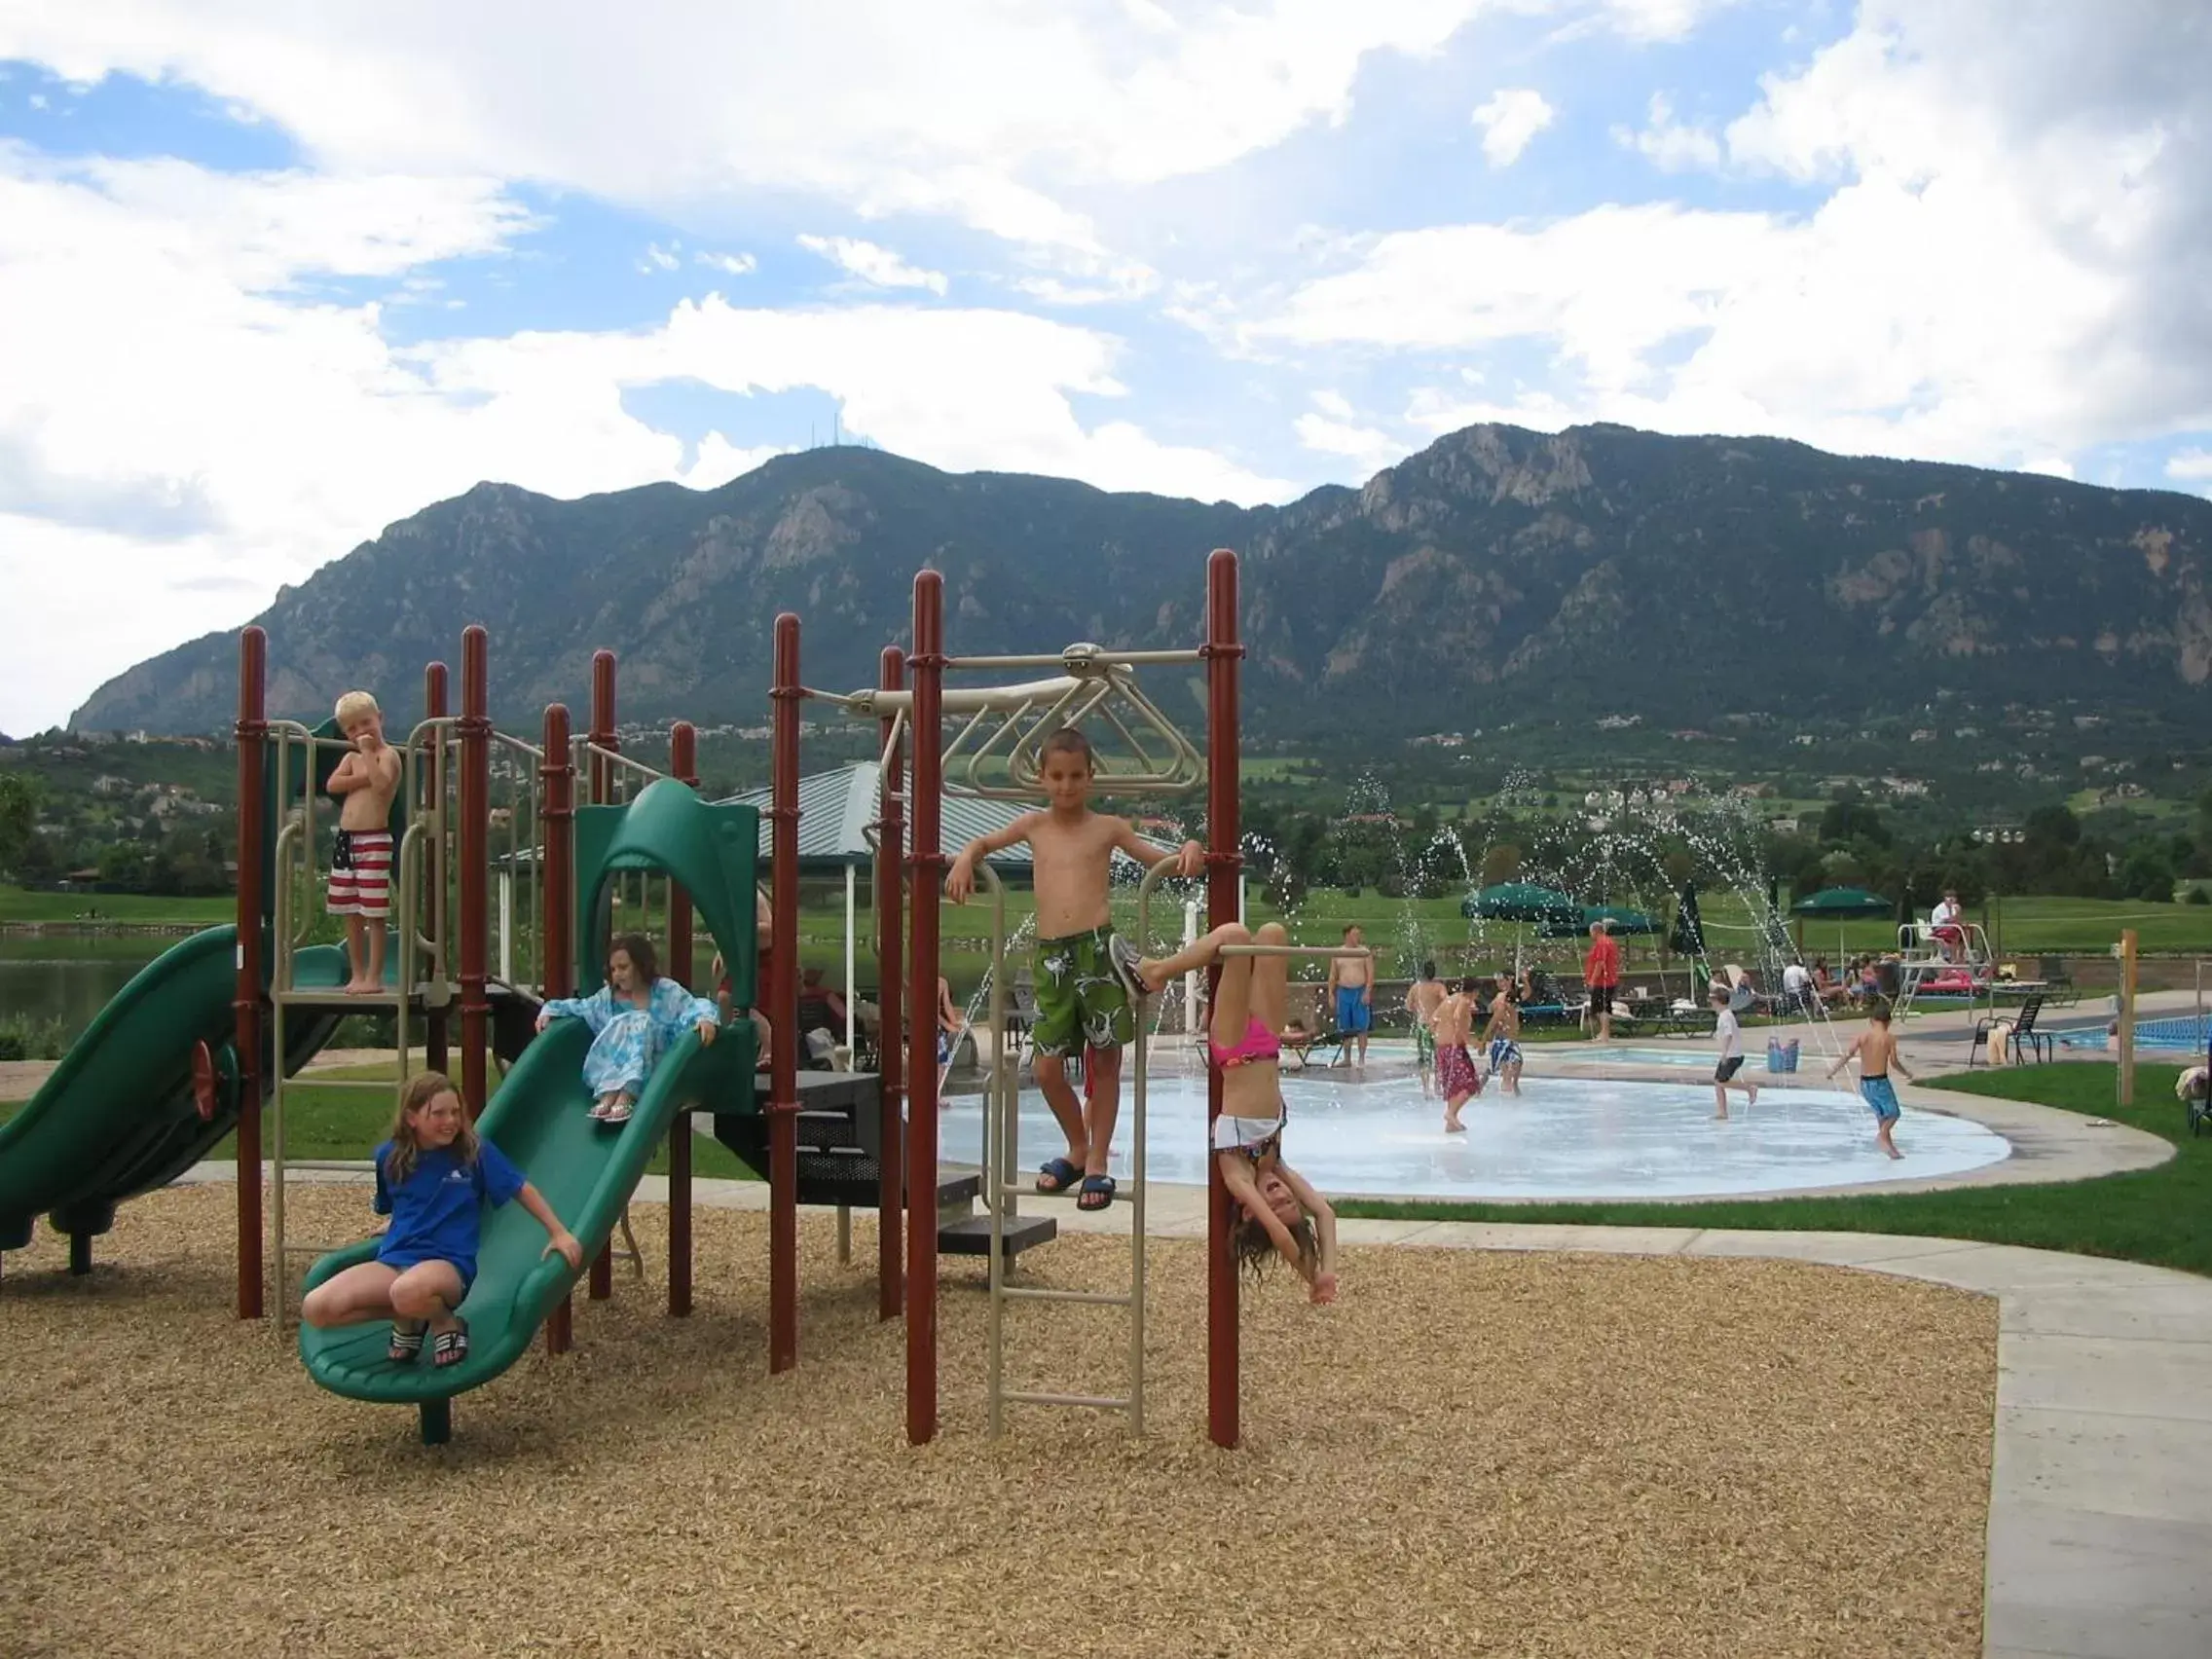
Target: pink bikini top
x=1260, y=1043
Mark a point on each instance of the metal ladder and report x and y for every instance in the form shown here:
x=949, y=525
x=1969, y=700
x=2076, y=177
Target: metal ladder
x=1002, y=1170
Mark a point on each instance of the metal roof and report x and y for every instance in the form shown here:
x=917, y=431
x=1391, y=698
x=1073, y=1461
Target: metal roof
x=835, y=807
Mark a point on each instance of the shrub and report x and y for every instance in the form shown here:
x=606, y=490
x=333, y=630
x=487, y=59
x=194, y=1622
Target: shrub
x=25, y=1038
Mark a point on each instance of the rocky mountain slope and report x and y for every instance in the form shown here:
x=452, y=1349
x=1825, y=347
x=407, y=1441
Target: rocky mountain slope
x=1498, y=571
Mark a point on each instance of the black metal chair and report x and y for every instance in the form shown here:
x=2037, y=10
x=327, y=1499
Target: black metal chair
x=2022, y=1024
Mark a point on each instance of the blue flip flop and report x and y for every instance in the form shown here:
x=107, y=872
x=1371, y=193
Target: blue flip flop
x=1097, y=1193
x=1060, y=1172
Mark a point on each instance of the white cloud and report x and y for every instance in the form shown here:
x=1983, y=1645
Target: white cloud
x=1512, y=117
x=658, y=258
x=1332, y=431
x=2193, y=465
x=2007, y=267
x=878, y=266
x=189, y=417
x=1668, y=145
x=729, y=264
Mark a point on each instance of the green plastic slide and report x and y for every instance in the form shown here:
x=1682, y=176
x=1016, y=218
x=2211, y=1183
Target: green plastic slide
x=587, y=1172
x=120, y=1116
x=539, y=1118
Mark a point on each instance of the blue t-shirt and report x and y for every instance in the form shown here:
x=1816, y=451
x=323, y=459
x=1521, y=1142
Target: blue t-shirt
x=437, y=1212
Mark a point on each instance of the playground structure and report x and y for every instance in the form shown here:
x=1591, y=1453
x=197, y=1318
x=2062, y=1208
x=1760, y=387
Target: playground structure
x=220, y=1027
x=995, y=752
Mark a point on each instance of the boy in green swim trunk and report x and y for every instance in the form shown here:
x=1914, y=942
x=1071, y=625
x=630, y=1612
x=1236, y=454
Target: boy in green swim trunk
x=1085, y=975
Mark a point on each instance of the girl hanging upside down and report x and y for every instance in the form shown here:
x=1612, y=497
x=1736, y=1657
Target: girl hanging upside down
x=1278, y=1211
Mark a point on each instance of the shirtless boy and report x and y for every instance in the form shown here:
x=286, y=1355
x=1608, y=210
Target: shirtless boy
x=1352, y=982
x=1876, y=1050
x=1502, y=1035
x=1085, y=975
x=1423, y=997
x=1457, y=1078
x=365, y=782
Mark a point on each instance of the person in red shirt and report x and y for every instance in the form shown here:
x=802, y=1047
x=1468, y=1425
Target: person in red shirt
x=1602, y=978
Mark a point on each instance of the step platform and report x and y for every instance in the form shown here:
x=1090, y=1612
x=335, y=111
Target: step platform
x=840, y=1162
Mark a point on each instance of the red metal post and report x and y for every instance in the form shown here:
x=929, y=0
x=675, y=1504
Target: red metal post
x=780, y=1003
x=556, y=905
x=926, y=865
x=245, y=1001
x=890, y=966
x=684, y=766
x=1224, y=878
x=436, y=1032
x=601, y=774
x=475, y=862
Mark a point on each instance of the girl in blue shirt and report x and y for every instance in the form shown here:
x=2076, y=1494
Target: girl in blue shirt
x=635, y=1016
x=434, y=1176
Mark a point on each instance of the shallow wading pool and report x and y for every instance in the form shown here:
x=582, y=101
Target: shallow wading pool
x=1561, y=1138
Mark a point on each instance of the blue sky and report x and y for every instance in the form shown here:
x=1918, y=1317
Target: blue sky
x=271, y=277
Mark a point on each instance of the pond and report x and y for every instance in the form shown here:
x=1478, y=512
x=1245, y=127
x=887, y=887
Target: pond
x=69, y=978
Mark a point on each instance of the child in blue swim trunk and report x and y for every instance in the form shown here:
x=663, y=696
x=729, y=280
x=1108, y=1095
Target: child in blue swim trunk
x=1876, y=1051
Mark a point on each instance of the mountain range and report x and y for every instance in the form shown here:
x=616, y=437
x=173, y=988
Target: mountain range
x=1499, y=573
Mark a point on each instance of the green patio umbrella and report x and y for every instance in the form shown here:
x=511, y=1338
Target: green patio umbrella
x=1841, y=904
x=1619, y=920
x=1519, y=901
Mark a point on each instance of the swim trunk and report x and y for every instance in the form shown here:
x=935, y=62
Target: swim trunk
x=1503, y=1051
x=1455, y=1070
x=1728, y=1068
x=360, y=874
x=1424, y=1044
x=1881, y=1099
x=1601, y=999
x=1079, y=1000
x=1354, y=1012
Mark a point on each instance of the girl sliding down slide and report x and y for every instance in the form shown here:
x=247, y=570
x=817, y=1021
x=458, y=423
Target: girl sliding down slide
x=1278, y=1213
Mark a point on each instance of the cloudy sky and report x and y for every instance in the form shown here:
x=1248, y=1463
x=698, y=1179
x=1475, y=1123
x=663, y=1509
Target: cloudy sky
x=274, y=276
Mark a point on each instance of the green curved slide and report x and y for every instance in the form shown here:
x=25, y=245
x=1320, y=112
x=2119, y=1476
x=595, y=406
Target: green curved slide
x=586, y=1171
x=120, y=1114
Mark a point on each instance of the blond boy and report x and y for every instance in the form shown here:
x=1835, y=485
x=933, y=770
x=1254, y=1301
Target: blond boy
x=365, y=783
x=1086, y=976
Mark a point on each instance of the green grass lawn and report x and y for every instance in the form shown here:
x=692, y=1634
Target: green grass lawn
x=17, y=905
x=2161, y=1216
x=348, y=1122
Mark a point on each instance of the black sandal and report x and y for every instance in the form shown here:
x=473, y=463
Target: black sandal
x=1060, y=1172
x=450, y=1348
x=1097, y=1193
x=406, y=1346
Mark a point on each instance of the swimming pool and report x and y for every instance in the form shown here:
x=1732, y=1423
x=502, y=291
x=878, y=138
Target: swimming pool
x=1563, y=1138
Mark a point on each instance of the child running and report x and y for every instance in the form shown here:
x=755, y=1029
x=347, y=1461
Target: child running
x=1502, y=1035
x=1085, y=975
x=1423, y=997
x=365, y=783
x=434, y=1176
x=1876, y=1051
x=1278, y=1213
x=1728, y=1042
x=1457, y=1078
x=633, y=1019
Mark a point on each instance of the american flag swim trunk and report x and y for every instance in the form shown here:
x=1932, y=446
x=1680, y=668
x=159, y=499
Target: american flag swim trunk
x=360, y=874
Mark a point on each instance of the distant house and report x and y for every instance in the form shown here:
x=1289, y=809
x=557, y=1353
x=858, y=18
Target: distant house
x=1925, y=734
x=1619, y=722
x=108, y=784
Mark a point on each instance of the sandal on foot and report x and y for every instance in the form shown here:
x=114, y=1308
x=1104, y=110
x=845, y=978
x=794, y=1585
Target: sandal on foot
x=406, y=1345
x=599, y=1110
x=619, y=1113
x=1060, y=1172
x=1122, y=962
x=450, y=1348
x=1097, y=1193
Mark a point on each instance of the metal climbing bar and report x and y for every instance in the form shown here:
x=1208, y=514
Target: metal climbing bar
x=1316, y=951
x=1002, y=1162
x=1078, y=653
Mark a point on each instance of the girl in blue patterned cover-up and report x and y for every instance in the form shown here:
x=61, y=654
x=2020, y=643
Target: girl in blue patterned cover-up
x=633, y=1019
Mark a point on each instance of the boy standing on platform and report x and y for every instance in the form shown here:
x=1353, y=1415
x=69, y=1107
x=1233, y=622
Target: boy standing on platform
x=1086, y=974
x=366, y=782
